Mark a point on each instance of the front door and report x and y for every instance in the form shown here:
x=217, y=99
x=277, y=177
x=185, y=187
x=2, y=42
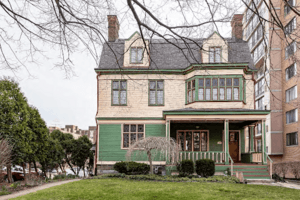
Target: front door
x=234, y=145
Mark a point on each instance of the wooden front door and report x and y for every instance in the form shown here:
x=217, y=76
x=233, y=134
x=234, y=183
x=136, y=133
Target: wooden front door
x=234, y=146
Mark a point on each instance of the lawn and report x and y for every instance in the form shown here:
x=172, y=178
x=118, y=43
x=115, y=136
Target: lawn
x=129, y=189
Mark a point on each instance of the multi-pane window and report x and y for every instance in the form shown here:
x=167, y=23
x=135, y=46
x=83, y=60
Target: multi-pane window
x=292, y=139
x=132, y=133
x=192, y=140
x=258, y=145
x=258, y=52
x=136, y=54
x=259, y=87
x=215, y=54
x=292, y=116
x=214, y=89
x=119, y=94
x=156, y=92
x=290, y=27
x=287, y=7
x=290, y=71
x=259, y=129
x=191, y=91
x=259, y=104
x=290, y=49
x=291, y=94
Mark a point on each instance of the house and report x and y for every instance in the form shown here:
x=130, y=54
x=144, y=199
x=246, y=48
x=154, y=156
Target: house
x=200, y=94
x=76, y=132
x=276, y=81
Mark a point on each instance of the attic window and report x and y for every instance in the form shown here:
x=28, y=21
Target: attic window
x=136, y=55
x=215, y=54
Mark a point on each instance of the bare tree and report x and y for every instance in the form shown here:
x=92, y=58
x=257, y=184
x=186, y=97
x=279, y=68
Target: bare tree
x=295, y=169
x=154, y=147
x=5, y=153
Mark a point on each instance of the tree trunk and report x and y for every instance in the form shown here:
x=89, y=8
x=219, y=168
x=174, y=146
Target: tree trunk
x=9, y=175
x=83, y=172
x=34, y=163
x=150, y=161
x=29, y=168
x=70, y=165
x=24, y=172
x=61, y=168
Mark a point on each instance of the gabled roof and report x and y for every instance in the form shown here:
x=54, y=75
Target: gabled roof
x=165, y=55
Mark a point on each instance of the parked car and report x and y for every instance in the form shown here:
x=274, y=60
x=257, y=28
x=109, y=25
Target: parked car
x=17, y=173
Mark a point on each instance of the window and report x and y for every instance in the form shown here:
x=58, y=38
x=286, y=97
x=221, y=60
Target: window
x=215, y=54
x=119, y=93
x=290, y=71
x=292, y=139
x=259, y=87
x=292, y=116
x=201, y=89
x=290, y=27
x=259, y=129
x=258, y=145
x=259, y=104
x=191, y=91
x=132, y=133
x=258, y=52
x=287, y=9
x=156, y=92
x=290, y=50
x=291, y=94
x=193, y=140
x=136, y=55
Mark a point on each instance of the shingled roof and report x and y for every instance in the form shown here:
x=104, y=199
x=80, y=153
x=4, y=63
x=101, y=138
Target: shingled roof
x=168, y=56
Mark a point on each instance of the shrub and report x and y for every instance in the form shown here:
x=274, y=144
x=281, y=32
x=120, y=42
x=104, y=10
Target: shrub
x=185, y=168
x=276, y=177
x=131, y=168
x=205, y=167
x=59, y=176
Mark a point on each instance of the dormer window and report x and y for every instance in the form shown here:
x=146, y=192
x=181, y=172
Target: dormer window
x=214, y=54
x=136, y=55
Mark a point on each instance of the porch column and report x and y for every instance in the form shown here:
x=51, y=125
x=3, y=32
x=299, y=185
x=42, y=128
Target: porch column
x=168, y=138
x=263, y=142
x=251, y=128
x=226, y=138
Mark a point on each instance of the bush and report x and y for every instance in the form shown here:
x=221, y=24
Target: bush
x=60, y=176
x=185, y=168
x=131, y=168
x=276, y=177
x=205, y=167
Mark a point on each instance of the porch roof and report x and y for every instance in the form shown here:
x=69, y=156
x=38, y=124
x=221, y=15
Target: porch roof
x=217, y=111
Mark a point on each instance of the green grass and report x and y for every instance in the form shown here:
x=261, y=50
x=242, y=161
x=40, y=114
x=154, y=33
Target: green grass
x=129, y=189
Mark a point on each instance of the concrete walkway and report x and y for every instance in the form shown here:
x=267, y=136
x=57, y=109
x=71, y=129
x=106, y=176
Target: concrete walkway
x=37, y=188
x=287, y=185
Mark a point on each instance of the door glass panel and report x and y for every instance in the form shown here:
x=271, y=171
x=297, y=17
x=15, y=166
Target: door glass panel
x=188, y=141
x=203, y=141
x=181, y=140
x=196, y=141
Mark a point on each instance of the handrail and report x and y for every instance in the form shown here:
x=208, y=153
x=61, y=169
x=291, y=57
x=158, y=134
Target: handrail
x=231, y=164
x=271, y=161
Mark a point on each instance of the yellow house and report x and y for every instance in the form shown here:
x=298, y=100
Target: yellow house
x=199, y=92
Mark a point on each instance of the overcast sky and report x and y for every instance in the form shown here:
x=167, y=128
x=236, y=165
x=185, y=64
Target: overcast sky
x=64, y=101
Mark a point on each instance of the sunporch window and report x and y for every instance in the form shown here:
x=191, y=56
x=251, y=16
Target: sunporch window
x=193, y=140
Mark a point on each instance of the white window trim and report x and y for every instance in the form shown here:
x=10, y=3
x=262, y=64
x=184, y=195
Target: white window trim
x=122, y=132
x=296, y=117
x=296, y=93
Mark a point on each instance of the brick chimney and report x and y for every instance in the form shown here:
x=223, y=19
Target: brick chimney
x=113, y=28
x=237, y=26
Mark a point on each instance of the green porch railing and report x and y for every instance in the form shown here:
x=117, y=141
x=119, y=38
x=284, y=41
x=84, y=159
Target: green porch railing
x=217, y=156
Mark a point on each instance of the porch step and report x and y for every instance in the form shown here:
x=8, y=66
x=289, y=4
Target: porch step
x=253, y=172
x=249, y=169
x=246, y=173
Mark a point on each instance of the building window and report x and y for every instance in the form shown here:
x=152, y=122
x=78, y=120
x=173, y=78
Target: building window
x=259, y=129
x=259, y=104
x=191, y=91
x=291, y=94
x=292, y=116
x=215, y=54
x=259, y=87
x=290, y=50
x=132, y=133
x=119, y=93
x=290, y=71
x=287, y=9
x=258, y=145
x=136, y=55
x=292, y=139
x=193, y=140
x=156, y=92
x=290, y=27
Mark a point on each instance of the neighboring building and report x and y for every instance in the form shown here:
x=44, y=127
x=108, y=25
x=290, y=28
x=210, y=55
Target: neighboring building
x=76, y=132
x=276, y=56
x=204, y=98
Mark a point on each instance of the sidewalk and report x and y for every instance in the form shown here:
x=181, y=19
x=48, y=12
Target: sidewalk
x=287, y=185
x=14, y=195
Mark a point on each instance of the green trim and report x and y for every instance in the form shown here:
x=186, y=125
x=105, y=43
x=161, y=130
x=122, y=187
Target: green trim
x=118, y=80
x=129, y=118
x=226, y=138
x=136, y=32
x=251, y=139
x=244, y=89
x=264, y=149
x=242, y=141
x=185, y=92
x=156, y=98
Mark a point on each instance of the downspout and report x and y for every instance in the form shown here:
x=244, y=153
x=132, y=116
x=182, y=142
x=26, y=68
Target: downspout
x=96, y=149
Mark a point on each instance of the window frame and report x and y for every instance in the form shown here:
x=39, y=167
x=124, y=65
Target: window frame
x=193, y=131
x=288, y=139
x=129, y=136
x=295, y=117
x=214, y=54
x=119, y=94
x=286, y=11
x=240, y=87
x=294, y=44
x=130, y=56
x=156, y=98
x=292, y=24
x=294, y=65
x=288, y=93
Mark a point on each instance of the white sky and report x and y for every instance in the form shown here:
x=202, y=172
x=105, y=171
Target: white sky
x=64, y=101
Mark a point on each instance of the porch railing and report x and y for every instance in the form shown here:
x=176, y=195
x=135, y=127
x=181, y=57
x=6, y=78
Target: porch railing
x=271, y=164
x=217, y=156
x=256, y=157
x=231, y=163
